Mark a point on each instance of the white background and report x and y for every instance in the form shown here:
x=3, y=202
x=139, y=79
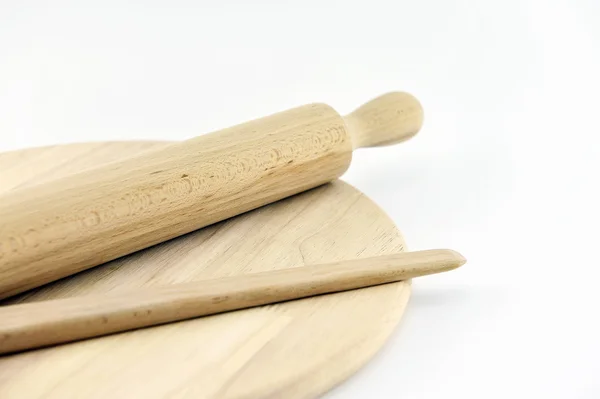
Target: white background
x=505, y=169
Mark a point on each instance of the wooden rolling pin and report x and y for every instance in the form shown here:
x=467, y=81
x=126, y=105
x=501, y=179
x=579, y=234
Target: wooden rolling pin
x=46, y=323
x=67, y=225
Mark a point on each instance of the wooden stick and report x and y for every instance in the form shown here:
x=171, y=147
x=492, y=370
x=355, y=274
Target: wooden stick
x=34, y=325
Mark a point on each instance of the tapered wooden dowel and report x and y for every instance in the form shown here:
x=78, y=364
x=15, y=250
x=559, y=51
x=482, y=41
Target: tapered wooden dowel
x=34, y=325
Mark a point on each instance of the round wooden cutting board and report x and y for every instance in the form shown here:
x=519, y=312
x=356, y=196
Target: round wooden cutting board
x=297, y=349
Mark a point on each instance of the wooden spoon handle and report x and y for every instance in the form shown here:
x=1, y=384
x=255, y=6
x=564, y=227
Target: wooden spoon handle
x=32, y=325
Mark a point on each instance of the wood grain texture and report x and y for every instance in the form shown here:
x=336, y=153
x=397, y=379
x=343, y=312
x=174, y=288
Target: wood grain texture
x=45, y=323
x=297, y=349
x=54, y=229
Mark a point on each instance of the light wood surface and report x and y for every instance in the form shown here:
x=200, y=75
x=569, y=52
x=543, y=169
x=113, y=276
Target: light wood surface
x=45, y=323
x=55, y=229
x=297, y=349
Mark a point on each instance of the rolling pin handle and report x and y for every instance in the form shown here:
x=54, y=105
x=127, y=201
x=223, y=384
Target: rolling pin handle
x=388, y=119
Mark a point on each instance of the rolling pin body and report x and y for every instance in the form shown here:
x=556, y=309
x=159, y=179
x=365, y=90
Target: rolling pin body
x=67, y=225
